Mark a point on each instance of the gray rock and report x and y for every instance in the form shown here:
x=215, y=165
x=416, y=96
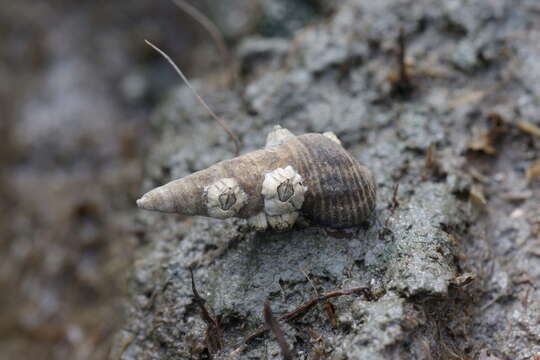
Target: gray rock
x=409, y=254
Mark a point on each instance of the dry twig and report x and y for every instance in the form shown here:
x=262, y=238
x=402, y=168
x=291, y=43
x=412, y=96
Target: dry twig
x=273, y=325
x=403, y=84
x=328, y=307
x=308, y=305
x=214, y=334
x=394, y=203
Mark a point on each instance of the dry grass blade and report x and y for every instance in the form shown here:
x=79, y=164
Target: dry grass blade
x=533, y=171
x=199, y=98
x=273, y=325
x=404, y=79
x=394, y=203
x=529, y=128
x=209, y=26
x=401, y=79
x=328, y=307
x=330, y=311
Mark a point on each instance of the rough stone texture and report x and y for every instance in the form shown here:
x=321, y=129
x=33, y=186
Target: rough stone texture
x=453, y=275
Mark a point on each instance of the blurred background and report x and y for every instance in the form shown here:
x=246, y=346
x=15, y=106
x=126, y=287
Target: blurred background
x=77, y=90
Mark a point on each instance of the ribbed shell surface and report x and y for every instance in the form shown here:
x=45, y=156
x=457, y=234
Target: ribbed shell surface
x=341, y=192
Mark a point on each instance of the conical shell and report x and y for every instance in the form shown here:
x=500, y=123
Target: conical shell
x=320, y=180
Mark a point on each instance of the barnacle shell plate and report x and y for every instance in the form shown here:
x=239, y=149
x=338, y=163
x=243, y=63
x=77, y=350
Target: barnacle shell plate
x=283, y=191
x=224, y=198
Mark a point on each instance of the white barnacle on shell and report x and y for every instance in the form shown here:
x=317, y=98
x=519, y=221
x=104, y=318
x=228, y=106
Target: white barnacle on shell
x=330, y=135
x=277, y=136
x=258, y=222
x=283, y=191
x=224, y=198
x=282, y=222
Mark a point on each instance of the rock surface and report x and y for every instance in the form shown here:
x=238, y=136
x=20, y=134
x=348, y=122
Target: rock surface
x=448, y=260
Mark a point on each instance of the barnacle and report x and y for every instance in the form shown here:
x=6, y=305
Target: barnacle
x=332, y=136
x=258, y=222
x=224, y=198
x=283, y=191
x=277, y=136
x=282, y=222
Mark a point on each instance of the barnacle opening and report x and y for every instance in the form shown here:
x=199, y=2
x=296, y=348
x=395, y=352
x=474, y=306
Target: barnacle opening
x=224, y=198
x=227, y=199
x=285, y=190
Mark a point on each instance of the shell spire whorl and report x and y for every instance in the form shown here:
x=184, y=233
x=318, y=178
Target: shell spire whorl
x=182, y=196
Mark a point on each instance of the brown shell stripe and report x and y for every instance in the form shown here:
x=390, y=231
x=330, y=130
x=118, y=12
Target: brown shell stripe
x=353, y=185
x=359, y=189
x=325, y=206
x=341, y=204
x=364, y=202
x=352, y=196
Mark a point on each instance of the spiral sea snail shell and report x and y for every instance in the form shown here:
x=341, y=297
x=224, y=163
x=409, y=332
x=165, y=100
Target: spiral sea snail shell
x=310, y=175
